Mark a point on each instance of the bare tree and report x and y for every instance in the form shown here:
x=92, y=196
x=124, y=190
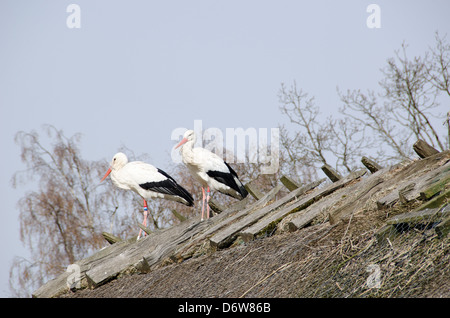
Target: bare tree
x=302, y=111
x=62, y=220
x=318, y=141
x=349, y=142
x=365, y=110
x=380, y=125
x=439, y=69
x=405, y=108
x=413, y=97
x=439, y=72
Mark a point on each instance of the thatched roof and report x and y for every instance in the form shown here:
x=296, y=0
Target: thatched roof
x=338, y=239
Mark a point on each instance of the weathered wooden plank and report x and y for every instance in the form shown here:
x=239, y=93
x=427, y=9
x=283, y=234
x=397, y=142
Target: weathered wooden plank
x=430, y=212
x=254, y=192
x=111, y=239
x=357, y=194
x=429, y=179
x=58, y=286
x=370, y=164
x=406, y=192
x=289, y=183
x=303, y=218
x=410, y=188
x=331, y=173
x=422, y=216
x=153, y=248
x=215, y=206
x=400, y=175
x=227, y=235
x=441, y=183
x=239, y=205
x=423, y=149
x=270, y=220
x=178, y=215
x=53, y=288
x=147, y=252
x=144, y=228
x=437, y=201
x=220, y=222
x=413, y=190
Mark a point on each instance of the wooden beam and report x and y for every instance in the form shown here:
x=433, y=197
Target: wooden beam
x=225, y=219
x=289, y=183
x=437, y=201
x=226, y=236
x=331, y=173
x=422, y=216
x=429, y=212
x=178, y=215
x=253, y=191
x=272, y=219
x=302, y=218
x=145, y=229
x=371, y=165
x=215, y=206
x=57, y=286
x=111, y=238
x=159, y=246
x=441, y=184
x=356, y=194
x=423, y=149
x=404, y=192
x=412, y=188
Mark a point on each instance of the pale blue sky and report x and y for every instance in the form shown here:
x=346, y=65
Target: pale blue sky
x=136, y=70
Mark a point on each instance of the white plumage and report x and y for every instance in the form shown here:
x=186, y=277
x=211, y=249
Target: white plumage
x=209, y=170
x=147, y=181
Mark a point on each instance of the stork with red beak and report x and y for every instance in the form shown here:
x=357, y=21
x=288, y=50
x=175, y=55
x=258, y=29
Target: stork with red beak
x=147, y=181
x=209, y=170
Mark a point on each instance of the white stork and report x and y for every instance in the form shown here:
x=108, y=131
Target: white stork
x=209, y=170
x=147, y=181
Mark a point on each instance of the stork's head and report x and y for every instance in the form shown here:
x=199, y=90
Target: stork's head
x=118, y=161
x=189, y=135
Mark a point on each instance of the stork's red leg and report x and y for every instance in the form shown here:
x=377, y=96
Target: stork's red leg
x=207, y=203
x=144, y=221
x=203, y=202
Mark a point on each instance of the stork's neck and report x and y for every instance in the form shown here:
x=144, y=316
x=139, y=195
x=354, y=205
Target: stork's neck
x=187, y=152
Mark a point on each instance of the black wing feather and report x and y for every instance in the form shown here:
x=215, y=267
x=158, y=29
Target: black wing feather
x=228, y=179
x=168, y=186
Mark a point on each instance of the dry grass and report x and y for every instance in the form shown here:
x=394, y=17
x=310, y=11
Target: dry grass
x=318, y=261
x=414, y=264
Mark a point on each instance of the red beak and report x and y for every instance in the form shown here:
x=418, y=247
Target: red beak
x=181, y=142
x=106, y=174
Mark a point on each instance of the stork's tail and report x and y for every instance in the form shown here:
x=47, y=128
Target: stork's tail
x=242, y=190
x=183, y=193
